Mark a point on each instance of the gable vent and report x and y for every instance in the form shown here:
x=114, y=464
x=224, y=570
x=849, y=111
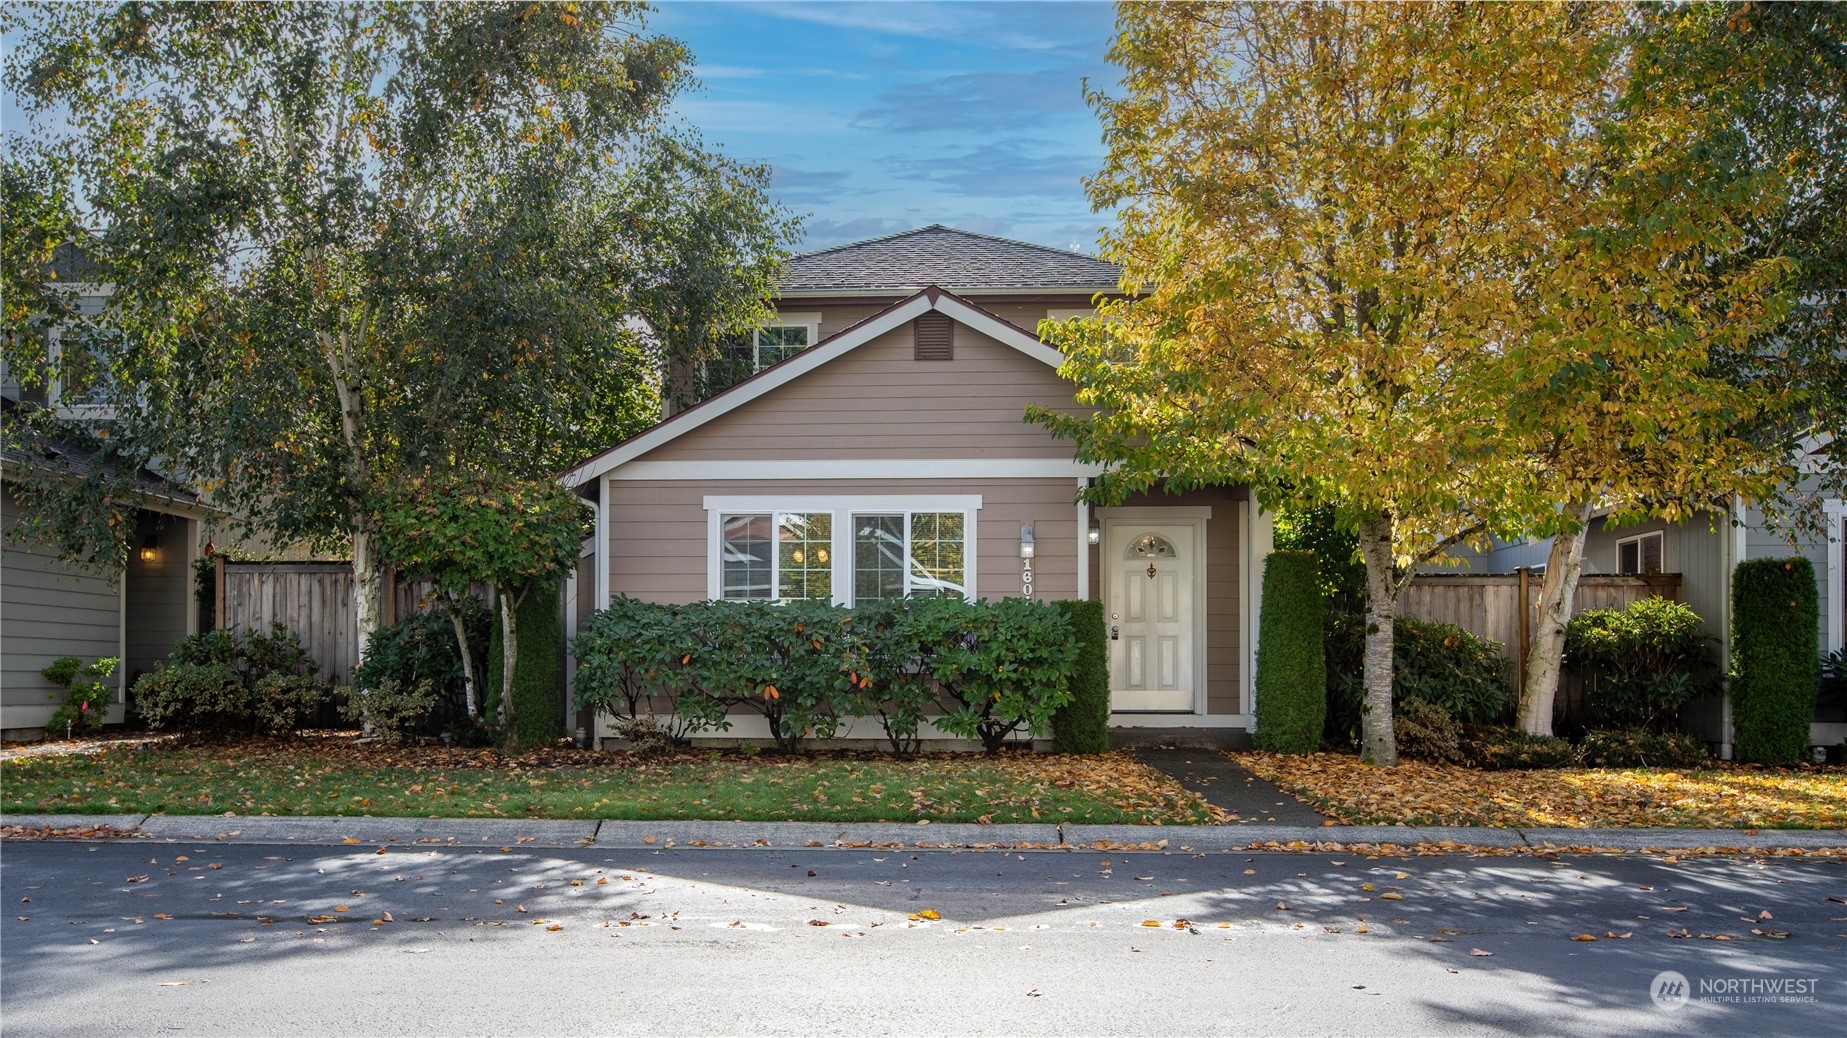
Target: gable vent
x=936, y=337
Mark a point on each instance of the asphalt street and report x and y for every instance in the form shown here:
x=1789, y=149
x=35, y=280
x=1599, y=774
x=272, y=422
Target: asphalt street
x=208, y=938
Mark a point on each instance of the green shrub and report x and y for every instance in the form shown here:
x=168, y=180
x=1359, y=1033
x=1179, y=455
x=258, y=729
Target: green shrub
x=1642, y=661
x=1002, y=666
x=421, y=647
x=1504, y=748
x=1775, y=666
x=86, y=700
x=1082, y=726
x=1291, y=655
x=392, y=710
x=1425, y=731
x=286, y=703
x=1642, y=748
x=1434, y=662
x=992, y=668
x=209, y=683
x=538, y=680
x=200, y=697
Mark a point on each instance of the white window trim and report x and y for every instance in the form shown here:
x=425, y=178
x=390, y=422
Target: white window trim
x=842, y=508
x=1835, y=543
x=1637, y=539
x=54, y=389
x=809, y=321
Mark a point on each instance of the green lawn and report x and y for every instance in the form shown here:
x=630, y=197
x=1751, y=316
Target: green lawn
x=322, y=778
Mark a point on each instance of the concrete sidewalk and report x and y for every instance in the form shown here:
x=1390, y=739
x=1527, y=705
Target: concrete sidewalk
x=496, y=832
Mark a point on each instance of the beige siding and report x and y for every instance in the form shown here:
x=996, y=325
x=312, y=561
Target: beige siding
x=658, y=548
x=877, y=402
x=1224, y=581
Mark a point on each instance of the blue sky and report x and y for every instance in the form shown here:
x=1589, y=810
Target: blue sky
x=880, y=117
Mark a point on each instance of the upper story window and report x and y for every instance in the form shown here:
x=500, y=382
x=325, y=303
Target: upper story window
x=777, y=341
x=1643, y=555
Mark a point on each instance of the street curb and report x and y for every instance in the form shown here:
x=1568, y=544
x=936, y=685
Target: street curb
x=335, y=831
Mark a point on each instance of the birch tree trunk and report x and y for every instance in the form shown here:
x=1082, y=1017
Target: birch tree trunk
x=1547, y=653
x=509, y=655
x=368, y=586
x=1378, y=743
x=468, y=658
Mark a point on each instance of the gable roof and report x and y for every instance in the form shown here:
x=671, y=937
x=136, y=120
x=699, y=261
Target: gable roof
x=76, y=462
x=894, y=316
x=959, y=261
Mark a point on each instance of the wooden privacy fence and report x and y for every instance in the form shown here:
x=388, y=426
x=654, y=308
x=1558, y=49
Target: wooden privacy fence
x=1488, y=605
x=316, y=601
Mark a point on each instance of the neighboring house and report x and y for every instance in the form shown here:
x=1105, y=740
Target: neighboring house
x=881, y=450
x=49, y=609
x=1703, y=550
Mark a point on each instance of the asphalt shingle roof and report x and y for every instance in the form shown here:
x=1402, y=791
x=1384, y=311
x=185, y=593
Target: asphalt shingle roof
x=960, y=261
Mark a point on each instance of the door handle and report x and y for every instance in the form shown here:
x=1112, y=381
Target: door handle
x=1113, y=633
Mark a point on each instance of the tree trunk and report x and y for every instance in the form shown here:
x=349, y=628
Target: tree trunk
x=368, y=586
x=1378, y=744
x=1547, y=653
x=509, y=655
x=454, y=609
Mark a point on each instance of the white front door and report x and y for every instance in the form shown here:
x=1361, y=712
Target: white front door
x=1151, y=618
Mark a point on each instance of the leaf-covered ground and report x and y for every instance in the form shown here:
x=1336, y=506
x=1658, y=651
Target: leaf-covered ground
x=332, y=777
x=1721, y=797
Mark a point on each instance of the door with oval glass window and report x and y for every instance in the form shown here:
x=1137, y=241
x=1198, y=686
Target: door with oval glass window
x=1151, y=616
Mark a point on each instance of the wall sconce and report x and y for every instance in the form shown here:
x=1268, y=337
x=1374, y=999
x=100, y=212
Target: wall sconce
x=1095, y=536
x=1026, y=540
x=150, y=549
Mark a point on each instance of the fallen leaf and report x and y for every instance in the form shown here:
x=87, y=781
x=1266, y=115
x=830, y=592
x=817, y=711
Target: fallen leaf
x=1584, y=937
x=1151, y=922
x=1613, y=935
x=1480, y=952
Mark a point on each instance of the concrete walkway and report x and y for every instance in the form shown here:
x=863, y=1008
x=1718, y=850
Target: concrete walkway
x=1224, y=783
x=495, y=832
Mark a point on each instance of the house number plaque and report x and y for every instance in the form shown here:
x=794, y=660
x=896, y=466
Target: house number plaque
x=1026, y=578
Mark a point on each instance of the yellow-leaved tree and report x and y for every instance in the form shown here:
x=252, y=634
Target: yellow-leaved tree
x=1356, y=236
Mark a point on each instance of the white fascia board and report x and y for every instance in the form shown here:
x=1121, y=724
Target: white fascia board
x=806, y=361
x=844, y=503
x=964, y=290
x=856, y=468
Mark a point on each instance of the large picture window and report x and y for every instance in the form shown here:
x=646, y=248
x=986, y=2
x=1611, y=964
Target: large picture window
x=830, y=550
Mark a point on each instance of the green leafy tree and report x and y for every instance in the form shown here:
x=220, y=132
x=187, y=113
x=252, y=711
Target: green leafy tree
x=457, y=528
x=353, y=241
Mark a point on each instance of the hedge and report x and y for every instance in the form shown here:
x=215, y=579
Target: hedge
x=1291, y=656
x=985, y=669
x=1082, y=726
x=1434, y=662
x=1776, y=658
x=227, y=681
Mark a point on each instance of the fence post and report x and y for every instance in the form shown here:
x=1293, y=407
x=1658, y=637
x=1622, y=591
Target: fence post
x=1526, y=630
x=218, y=617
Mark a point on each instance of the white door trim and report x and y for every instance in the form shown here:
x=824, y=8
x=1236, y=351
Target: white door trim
x=1140, y=516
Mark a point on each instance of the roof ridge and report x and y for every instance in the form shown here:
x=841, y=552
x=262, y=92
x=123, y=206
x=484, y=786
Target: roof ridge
x=957, y=230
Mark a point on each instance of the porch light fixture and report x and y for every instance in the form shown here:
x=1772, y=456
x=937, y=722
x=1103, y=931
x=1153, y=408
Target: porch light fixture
x=150, y=549
x=1026, y=540
x=1095, y=536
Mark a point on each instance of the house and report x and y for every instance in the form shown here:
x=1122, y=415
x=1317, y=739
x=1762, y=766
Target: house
x=1703, y=550
x=880, y=450
x=49, y=608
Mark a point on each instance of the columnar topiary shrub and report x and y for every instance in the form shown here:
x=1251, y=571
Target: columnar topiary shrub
x=1082, y=726
x=1291, y=659
x=538, y=682
x=1776, y=659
